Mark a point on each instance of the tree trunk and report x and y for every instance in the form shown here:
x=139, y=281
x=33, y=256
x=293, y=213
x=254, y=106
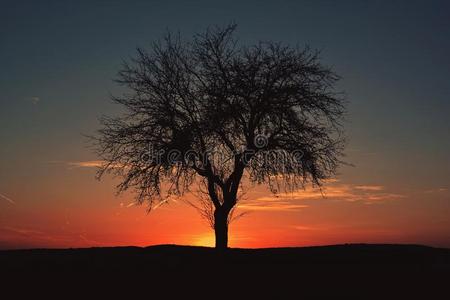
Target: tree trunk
x=221, y=229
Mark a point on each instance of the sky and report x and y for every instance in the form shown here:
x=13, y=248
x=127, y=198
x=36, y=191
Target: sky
x=59, y=59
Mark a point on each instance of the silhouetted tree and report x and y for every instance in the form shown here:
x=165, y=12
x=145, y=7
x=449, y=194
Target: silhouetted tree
x=209, y=111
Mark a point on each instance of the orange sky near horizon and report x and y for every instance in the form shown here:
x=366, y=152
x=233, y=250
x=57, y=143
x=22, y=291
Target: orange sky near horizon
x=93, y=216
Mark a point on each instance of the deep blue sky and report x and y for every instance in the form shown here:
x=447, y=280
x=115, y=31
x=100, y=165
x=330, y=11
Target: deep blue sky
x=58, y=60
x=393, y=57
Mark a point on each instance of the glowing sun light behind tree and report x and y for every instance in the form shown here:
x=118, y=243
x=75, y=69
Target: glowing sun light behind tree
x=204, y=114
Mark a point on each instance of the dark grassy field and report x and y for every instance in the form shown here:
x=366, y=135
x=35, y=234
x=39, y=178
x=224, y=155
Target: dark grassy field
x=333, y=270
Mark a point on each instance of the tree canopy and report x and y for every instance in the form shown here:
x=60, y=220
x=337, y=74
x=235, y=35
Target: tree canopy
x=209, y=111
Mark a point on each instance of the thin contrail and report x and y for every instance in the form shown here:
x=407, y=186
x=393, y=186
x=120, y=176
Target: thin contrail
x=8, y=199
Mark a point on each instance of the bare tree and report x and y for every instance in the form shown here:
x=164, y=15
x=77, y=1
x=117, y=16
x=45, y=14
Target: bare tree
x=209, y=111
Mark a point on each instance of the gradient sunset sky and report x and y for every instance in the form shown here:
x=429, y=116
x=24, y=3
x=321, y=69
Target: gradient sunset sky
x=58, y=61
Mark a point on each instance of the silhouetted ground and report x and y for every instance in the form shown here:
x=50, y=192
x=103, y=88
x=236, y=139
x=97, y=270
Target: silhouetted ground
x=358, y=270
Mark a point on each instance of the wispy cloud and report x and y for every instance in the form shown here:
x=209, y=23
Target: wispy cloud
x=23, y=231
x=37, y=236
x=369, y=187
x=277, y=205
x=78, y=164
x=437, y=190
x=7, y=199
x=91, y=164
x=334, y=190
x=85, y=164
x=304, y=228
x=122, y=205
